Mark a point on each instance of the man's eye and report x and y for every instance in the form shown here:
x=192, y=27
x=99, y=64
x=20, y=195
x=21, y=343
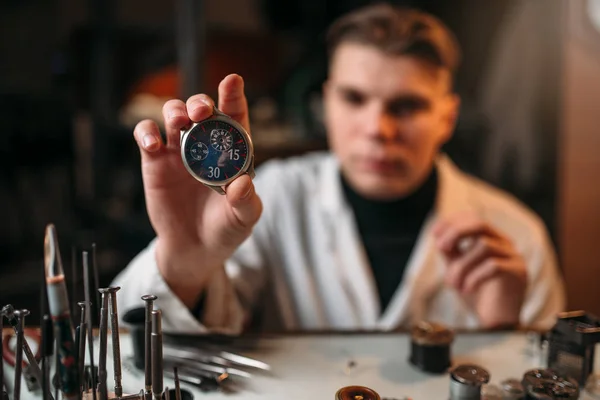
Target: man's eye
x=353, y=98
x=407, y=107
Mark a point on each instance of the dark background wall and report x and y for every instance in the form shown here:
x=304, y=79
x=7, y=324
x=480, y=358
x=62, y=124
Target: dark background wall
x=69, y=69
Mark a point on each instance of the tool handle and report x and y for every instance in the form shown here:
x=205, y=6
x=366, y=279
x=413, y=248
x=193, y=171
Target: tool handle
x=114, y=329
x=102, y=374
x=18, y=365
x=66, y=352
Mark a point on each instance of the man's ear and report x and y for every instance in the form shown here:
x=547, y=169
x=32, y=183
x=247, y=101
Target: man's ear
x=451, y=112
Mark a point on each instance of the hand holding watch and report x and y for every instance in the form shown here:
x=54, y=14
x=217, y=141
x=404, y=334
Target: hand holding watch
x=217, y=150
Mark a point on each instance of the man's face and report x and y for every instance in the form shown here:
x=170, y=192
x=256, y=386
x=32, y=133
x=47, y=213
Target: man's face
x=386, y=118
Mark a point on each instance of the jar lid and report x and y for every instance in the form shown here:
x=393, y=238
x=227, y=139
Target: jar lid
x=356, y=393
x=548, y=384
x=470, y=374
x=432, y=334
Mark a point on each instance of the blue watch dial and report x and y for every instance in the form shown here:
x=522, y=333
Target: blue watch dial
x=215, y=150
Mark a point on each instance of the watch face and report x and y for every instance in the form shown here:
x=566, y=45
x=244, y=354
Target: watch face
x=215, y=151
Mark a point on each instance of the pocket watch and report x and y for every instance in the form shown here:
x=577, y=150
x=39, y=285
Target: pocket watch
x=217, y=150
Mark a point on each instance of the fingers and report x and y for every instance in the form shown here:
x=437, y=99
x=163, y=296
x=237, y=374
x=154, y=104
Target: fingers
x=147, y=136
x=468, y=263
x=489, y=269
x=232, y=100
x=199, y=107
x=245, y=203
x=449, y=233
x=175, y=117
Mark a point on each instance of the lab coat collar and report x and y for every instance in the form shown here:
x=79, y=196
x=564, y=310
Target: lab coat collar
x=453, y=192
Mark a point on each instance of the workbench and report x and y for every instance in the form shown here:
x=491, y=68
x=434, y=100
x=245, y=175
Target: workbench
x=315, y=366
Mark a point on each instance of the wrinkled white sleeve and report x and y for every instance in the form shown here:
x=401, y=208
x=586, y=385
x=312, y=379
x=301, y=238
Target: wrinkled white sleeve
x=545, y=296
x=230, y=294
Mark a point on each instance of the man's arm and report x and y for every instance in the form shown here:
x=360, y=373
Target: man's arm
x=232, y=291
x=545, y=296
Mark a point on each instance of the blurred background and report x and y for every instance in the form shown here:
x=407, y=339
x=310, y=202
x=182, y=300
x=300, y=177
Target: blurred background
x=75, y=77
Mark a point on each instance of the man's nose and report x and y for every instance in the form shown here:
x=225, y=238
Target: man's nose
x=381, y=125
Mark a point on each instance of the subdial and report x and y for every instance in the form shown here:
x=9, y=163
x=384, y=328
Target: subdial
x=220, y=139
x=199, y=151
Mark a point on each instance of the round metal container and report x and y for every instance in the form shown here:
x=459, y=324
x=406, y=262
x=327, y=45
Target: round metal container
x=356, y=393
x=430, y=347
x=548, y=384
x=466, y=381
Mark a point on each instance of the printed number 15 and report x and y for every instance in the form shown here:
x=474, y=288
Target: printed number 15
x=234, y=154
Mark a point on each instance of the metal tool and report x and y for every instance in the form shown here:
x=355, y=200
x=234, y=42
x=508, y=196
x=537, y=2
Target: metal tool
x=149, y=300
x=199, y=367
x=60, y=310
x=31, y=380
x=167, y=394
x=223, y=359
x=47, y=351
x=102, y=374
x=116, y=342
x=177, y=387
x=56, y=377
x=466, y=381
x=81, y=346
x=20, y=314
x=244, y=361
x=4, y=394
x=86, y=285
x=95, y=275
x=205, y=382
x=47, y=337
x=74, y=282
x=9, y=312
x=157, y=356
x=137, y=396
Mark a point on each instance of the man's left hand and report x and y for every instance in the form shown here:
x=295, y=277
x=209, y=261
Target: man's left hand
x=484, y=266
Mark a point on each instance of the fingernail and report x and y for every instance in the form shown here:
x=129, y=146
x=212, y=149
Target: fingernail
x=176, y=113
x=248, y=191
x=149, y=141
x=201, y=104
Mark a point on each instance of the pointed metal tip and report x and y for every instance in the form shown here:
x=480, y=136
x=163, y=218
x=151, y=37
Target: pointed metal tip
x=52, y=261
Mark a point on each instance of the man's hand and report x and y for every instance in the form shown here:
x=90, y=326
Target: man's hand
x=484, y=266
x=197, y=228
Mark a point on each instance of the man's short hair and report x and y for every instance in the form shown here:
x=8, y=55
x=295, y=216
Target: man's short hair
x=397, y=31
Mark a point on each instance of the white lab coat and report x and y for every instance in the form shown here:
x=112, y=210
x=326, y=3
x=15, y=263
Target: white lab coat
x=304, y=266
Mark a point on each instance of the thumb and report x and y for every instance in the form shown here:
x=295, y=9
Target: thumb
x=245, y=203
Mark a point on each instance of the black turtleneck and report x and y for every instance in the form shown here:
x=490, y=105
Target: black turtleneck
x=389, y=231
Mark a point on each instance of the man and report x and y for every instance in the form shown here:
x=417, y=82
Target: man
x=380, y=233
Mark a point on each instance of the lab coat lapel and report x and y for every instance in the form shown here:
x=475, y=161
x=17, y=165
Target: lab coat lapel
x=425, y=271
x=353, y=295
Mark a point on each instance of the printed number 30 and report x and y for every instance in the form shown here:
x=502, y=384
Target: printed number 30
x=214, y=172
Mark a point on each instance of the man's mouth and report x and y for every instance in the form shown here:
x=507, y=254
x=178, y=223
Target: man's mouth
x=381, y=166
